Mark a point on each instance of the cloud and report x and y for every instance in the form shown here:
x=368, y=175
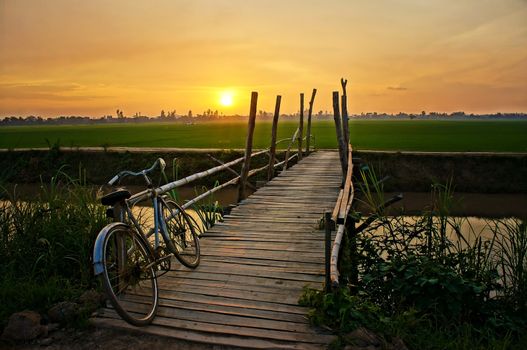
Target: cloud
x=45, y=91
x=397, y=88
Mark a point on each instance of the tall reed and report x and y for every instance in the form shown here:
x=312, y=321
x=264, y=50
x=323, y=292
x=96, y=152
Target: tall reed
x=46, y=243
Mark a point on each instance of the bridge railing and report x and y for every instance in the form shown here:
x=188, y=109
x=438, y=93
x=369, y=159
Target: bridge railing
x=246, y=171
x=339, y=216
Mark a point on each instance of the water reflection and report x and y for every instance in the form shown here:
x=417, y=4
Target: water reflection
x=461, y=230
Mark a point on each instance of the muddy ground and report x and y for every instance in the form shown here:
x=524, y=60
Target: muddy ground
x=94, y=338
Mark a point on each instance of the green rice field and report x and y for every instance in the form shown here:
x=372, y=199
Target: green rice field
x=404, y=135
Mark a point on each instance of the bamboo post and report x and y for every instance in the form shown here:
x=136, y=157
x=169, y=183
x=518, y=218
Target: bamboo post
x=248, y=146
x=301, y=127
x=345, y=118
x=352, y=239
x=286, y=160
x=327, y=251
x=334, y=272
x=270, y=172
x=310, y=113
x=338, y=128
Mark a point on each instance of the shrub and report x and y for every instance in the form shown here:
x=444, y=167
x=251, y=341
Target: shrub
x=429, y=279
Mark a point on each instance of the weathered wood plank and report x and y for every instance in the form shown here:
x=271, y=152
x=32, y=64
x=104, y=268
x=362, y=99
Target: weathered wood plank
x=232, y=302
x=233, y=330
x=205, y=337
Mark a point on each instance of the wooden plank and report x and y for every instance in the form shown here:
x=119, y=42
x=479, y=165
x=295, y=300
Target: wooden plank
x=258, y=272
x=258, y=254
x=249, y=280
x=278, y=273
x=265, y=262
x=231, y=310
x=177, y=280
x=219, y=300
x=197, y=335
x=278, y=236
x=301, y=247
x=227, y=266
x=232, y=320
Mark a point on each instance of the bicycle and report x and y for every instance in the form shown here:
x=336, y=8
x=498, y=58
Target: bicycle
x=126, y=258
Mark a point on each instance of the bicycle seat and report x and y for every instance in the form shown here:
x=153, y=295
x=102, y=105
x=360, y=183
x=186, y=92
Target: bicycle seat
x=116, y=196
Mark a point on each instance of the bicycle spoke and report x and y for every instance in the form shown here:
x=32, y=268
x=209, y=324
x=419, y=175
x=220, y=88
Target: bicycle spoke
x=128, y=270
x=180, y=234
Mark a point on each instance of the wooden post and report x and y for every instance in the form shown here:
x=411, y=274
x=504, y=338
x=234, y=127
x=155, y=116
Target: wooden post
x=340, y=139
x=327, y=250
x=272, y=151
x=301, y=127
x=352, y=241
x=310, y=113
x=345, y=124
x=248, y=146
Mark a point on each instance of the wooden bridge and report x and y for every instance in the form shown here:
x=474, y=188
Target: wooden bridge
x=254, y=265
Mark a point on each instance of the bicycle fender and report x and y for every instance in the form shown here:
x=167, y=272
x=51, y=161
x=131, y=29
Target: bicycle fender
x=98, y=267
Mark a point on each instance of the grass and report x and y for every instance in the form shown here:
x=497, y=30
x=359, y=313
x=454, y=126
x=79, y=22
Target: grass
x=46, y=244
x=422, y=135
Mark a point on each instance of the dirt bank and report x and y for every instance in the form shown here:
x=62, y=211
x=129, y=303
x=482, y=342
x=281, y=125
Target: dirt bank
x=409, y=171
x=95, y=338
x=471, y=173
x=98, y=166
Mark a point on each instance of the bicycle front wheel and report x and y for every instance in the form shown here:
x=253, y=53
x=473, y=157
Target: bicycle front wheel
x=180, y=234
x=129, y=276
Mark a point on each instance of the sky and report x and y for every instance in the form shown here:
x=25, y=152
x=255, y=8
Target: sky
x=77, y=57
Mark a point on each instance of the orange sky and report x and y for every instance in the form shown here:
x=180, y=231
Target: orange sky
x=92, y=57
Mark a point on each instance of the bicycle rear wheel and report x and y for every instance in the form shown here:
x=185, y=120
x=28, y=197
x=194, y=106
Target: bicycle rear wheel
x=180, y=234
x=129, y=276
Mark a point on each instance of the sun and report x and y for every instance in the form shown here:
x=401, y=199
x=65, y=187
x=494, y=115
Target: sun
x=226, y=98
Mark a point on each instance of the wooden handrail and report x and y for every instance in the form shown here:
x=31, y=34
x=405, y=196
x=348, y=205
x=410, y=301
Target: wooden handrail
x=283, y=161
x=186, y=180
x=339, y=216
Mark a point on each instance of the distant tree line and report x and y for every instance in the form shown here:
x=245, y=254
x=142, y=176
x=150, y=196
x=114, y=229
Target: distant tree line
x=211, y=116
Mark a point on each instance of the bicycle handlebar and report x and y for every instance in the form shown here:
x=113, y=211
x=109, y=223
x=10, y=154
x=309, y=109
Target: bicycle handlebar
x=124, y=173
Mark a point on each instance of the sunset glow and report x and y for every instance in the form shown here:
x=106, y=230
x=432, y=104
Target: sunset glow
x=92, y=57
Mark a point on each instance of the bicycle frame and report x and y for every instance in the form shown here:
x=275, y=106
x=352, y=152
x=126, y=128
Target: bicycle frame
x=121, y=212
x=159, y=223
